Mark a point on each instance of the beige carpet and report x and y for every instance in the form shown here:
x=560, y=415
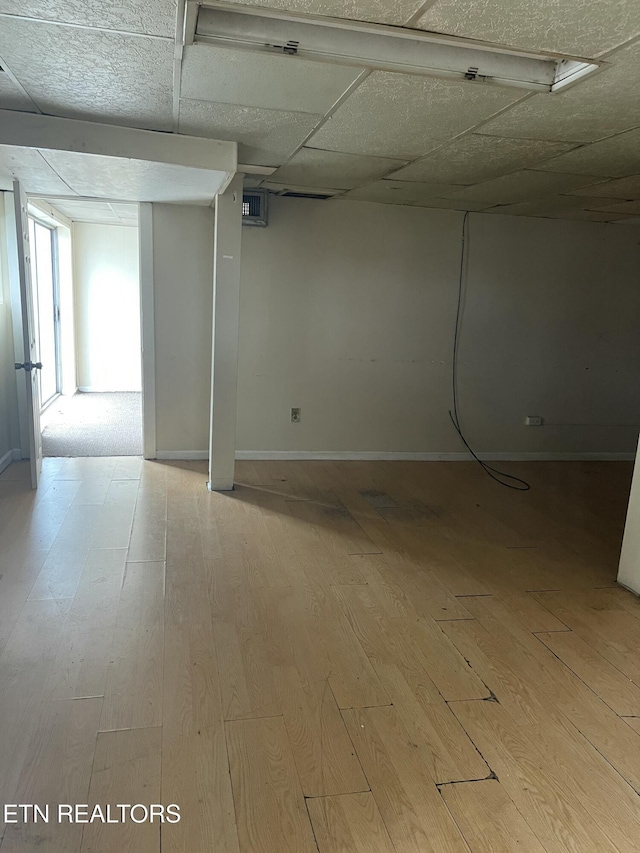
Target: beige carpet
x=93, y=425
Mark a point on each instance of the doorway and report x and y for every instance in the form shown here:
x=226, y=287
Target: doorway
x=92, y=401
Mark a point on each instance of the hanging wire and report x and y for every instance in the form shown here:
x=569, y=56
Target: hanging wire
x=509, y=481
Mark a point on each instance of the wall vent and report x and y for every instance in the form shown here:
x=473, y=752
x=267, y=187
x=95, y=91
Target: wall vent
x=255, y=208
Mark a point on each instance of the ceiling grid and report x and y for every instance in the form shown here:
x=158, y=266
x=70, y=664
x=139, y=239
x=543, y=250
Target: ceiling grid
x=353, y=132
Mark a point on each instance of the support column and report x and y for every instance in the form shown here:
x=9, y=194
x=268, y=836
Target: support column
x=629, y=571
x=226, y=310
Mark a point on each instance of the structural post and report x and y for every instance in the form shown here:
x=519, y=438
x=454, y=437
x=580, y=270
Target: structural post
x=629, y=571
x=226, y=309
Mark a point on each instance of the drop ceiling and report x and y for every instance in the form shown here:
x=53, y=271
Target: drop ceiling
x=83, y=73
x=94, y=212
x=581, y=27
x=357, y=133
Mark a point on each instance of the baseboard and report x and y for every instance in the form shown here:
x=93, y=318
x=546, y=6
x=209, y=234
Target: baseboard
x=169, y=455
x=366, y=455
x=397, y=456
x=14, y=455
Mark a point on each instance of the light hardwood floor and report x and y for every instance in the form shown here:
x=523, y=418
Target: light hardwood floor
x=336, y=657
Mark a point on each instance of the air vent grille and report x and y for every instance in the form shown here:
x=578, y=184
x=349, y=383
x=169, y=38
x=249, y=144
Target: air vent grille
x=254, y=208
x=293, y=194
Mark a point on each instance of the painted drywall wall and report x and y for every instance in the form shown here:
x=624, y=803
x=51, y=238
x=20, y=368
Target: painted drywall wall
x=107, y=307
x=629, y=569
x=183, y=295
x=67, y=312
x=348, y=309
x=9, y=427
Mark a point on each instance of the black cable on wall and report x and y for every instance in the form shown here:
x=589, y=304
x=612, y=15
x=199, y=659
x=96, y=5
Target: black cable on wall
x=510, y=481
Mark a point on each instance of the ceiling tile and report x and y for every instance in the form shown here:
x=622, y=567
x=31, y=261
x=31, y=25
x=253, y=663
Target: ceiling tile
x=313, y=168
x=31, y=169
x=574, y=27
x=11, y=98
x=473, y=158
x=615, y=157
x=456, y=204
x=524, y=185
x=633, y=220
x=632, y=208
x=594, y=202
x=400, y=192
x=598, y=106
x=134, y=180
x=126, y=210
x=83, y=206
x=589, y=215
x=261, y=80
x=92, y=215
x=92, y=75
x=137, y=16
x=624, y=188
x=265, y=137
x=399, y=115
x=379, y=11
x=545, y=206
x=296, y=188
x=554, y=207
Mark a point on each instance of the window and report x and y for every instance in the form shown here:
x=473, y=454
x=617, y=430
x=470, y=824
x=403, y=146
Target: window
x=46, y=314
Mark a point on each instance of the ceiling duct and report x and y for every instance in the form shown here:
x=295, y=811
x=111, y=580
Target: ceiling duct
x=319, y=196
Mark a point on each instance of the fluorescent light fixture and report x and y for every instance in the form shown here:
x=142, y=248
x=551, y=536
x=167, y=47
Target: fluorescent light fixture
x=376, y=46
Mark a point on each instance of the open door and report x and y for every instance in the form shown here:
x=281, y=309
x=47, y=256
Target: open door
x=31, y=361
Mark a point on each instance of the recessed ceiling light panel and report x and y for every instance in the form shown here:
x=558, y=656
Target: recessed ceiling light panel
x=377, y=46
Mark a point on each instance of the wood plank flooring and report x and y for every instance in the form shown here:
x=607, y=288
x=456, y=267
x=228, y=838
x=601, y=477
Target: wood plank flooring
x=337, y=657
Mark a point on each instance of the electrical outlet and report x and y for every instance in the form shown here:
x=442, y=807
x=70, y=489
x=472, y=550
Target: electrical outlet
x=533, y=420
x=295, y=416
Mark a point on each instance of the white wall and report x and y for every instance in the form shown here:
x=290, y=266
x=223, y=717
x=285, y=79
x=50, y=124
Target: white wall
x=67, y=311
x=347, y=311
x=183, y=294
x=107, y=307
x=629, y=569
x=9, y=427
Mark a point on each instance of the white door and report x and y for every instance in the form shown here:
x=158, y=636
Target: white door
x=31, y=363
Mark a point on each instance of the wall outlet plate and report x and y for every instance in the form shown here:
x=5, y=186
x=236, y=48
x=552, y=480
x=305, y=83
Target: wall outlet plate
x=533, y=420
x=295, y=416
